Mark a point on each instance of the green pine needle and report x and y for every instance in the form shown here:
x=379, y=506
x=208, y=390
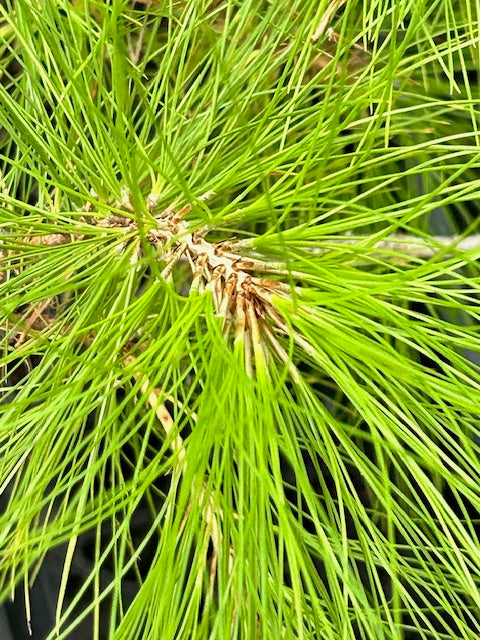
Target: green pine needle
x=239, y=290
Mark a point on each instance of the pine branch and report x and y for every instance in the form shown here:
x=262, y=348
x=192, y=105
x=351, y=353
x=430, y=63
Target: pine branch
x=332, y=463
x=242, y=299
x=404, y=244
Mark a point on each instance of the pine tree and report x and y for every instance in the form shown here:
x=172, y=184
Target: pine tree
x=239, y=289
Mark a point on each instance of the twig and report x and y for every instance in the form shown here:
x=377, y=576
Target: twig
x=241, y=286
x=323, y=24
x=30, y=321
x=177, y=445
x=407, y=244
x=161, y=410
x=135, y=53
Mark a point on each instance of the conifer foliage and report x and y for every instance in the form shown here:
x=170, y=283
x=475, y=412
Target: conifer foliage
x=239, y=292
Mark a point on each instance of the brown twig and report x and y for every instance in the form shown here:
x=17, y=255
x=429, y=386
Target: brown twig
x=241, y=287
x=210, y=513
x=409, y=245
x=324, y=22
x=31, y=320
